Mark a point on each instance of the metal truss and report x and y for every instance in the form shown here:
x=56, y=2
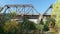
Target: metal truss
x=26, y=9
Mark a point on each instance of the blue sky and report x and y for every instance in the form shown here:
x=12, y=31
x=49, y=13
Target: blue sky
x=40, y=5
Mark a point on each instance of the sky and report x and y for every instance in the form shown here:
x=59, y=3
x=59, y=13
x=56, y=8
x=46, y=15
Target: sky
x=40, y=5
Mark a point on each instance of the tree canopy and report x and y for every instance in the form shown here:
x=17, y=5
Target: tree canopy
x=56, y=12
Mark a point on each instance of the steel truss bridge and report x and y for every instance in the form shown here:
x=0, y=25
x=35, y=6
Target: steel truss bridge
x=27, y=10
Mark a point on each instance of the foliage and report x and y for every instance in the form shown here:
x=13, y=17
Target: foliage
x=27, y=25
x=56, y=12
x=46, y=24
x=50, y=21
x=39, y=26
x=12, y=14
x=4, y=18
x=10, y=26
x=14, y=27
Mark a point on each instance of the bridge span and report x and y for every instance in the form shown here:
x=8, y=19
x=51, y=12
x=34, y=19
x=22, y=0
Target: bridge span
x=27, y=10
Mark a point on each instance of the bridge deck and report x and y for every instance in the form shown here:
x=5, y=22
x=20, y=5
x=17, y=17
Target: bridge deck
x=29, y=16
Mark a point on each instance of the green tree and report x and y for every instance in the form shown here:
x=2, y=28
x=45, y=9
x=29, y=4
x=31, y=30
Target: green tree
x=56, y=12
x=10, y=27
x=27, y=25
x=3, y=18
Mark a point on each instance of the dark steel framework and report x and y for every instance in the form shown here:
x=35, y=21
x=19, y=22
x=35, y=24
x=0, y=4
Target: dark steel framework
x=47, y=10
x=25, y=9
